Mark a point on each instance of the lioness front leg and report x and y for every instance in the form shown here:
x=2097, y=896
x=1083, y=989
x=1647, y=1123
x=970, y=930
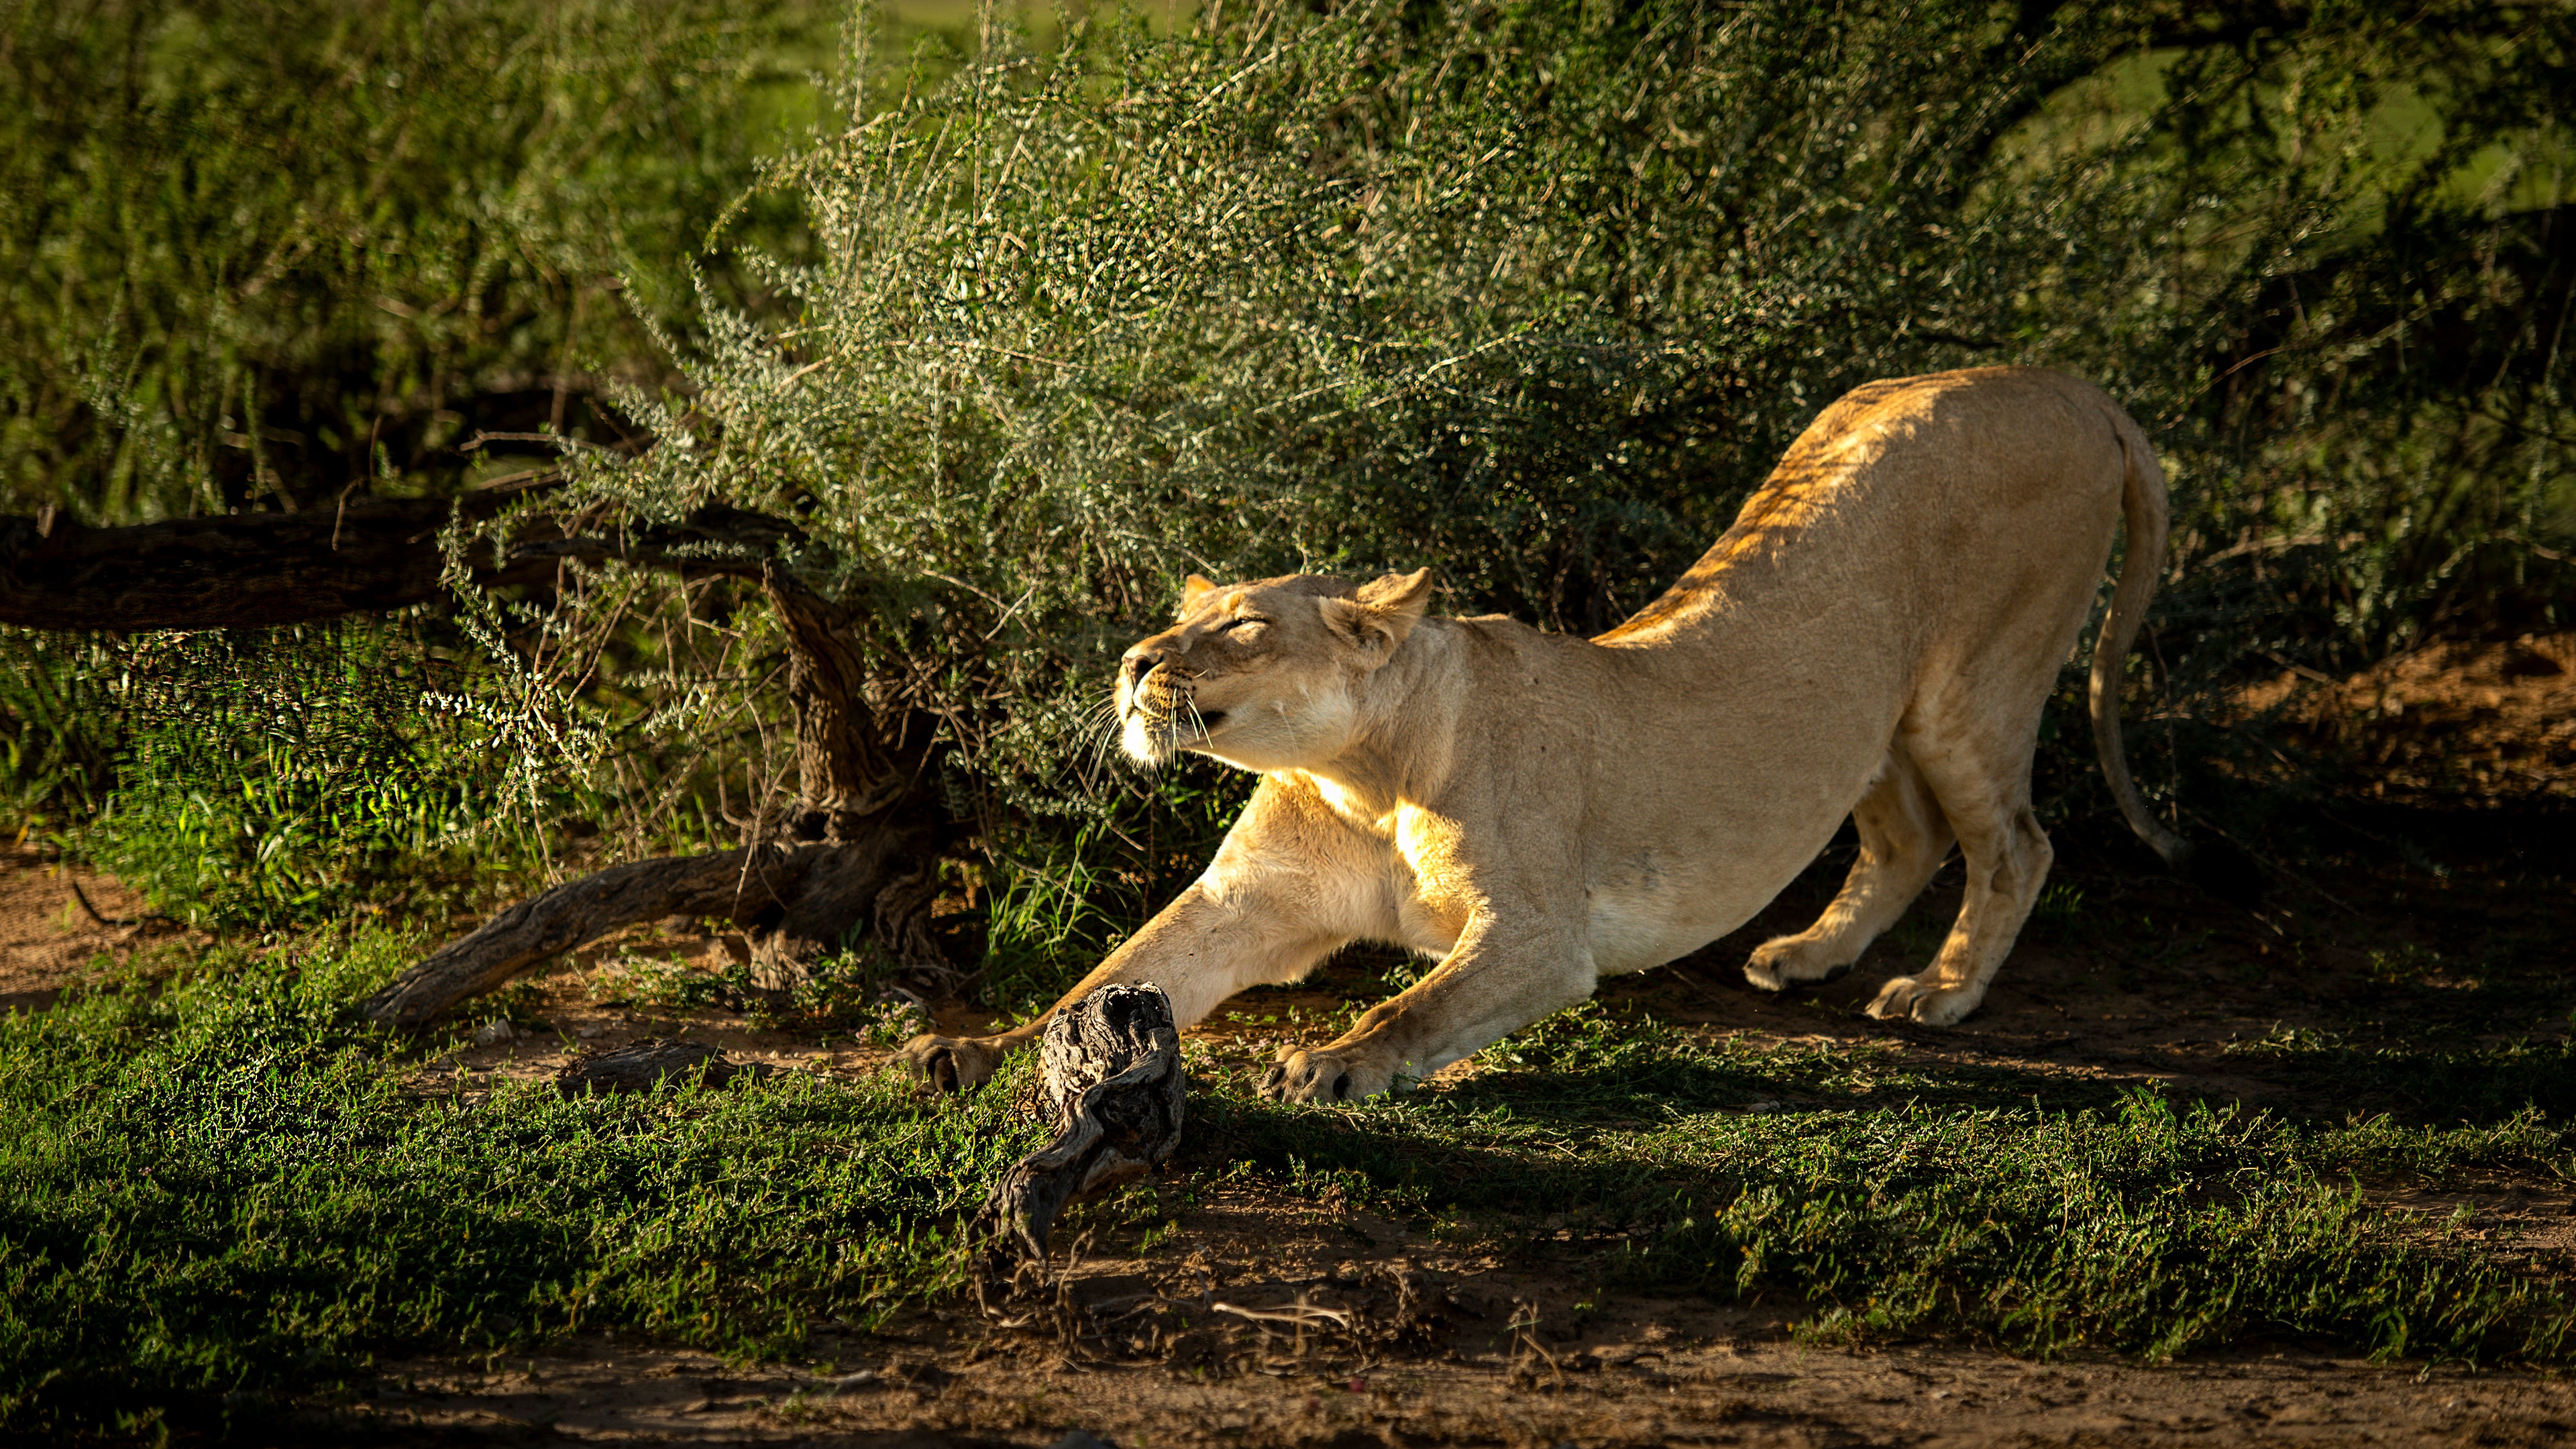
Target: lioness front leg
x=1202, y=948
x=1483, y=992
x=954, y=1063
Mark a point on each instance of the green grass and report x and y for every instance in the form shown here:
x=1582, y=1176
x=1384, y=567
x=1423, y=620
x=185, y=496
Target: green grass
x=217, y=1191
x=2448, y=1080
x=215, y=1195
x=2130, y=1224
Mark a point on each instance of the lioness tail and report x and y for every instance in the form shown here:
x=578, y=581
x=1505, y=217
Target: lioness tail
x=2223, y=870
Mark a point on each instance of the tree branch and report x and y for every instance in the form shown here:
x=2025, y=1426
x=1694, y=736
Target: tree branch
x=242, y=571
x=724, y=885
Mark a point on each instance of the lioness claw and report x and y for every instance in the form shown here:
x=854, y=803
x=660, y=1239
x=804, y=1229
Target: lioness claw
x=1302, y=1076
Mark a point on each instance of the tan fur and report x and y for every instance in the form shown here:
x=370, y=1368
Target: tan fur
x=1874, y=637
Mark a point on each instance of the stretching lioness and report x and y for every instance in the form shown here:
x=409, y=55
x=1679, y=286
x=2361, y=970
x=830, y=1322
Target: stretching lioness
x=1874, y=637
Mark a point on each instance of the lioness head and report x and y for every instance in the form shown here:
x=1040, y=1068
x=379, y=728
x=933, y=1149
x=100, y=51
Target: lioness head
x=1264, y=675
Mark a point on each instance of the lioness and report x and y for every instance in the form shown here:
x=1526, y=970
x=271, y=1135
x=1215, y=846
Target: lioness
x=1875, y=637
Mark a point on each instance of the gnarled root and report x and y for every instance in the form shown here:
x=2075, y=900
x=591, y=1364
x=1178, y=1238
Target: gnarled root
x=864, y=843
x=1110, y=1075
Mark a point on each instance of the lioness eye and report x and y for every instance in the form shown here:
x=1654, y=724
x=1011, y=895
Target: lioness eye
x=1233, y=624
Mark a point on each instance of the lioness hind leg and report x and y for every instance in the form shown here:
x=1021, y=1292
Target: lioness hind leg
x=1987, y=802
x=1904, y=837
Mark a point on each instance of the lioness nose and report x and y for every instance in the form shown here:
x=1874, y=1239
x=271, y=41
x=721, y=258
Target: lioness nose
x=1141, y=661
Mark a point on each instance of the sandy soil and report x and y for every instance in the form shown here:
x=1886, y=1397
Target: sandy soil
x=1646, y=1374
x=48, y=943
x=1265, y=1322
x=2490, y=721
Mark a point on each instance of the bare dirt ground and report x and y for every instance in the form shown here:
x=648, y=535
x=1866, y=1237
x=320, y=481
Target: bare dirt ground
x=1639, y=1372
x=2489, y=721
x=2392, y=928
x=48, y=941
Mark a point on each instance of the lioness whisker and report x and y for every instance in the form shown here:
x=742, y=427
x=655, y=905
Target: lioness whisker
x=1093, y=741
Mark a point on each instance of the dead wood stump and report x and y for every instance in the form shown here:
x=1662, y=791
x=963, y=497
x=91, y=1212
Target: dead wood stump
x=857, y=859
x=645, y=1065
x=1109, y=1074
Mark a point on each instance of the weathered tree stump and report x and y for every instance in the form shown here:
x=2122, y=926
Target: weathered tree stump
x=857, y=857
x=1109, y=1072
x=645, y=1065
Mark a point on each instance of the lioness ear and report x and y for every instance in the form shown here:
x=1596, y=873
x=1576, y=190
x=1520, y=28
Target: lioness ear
x=1401, y=593
x=1377, y=618
x=1194, y=589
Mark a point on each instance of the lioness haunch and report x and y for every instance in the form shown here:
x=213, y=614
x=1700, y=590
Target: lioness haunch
x=1874, y=637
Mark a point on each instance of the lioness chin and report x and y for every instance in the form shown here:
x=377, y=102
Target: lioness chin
x=1875, y=637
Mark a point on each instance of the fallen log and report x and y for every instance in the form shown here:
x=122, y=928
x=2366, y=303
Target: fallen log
x=647, y=1065
x=575, y=914
x=794, y=899
x=244, y=570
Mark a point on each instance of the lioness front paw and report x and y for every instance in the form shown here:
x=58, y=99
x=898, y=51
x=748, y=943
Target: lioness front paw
x=1786, y=961
x=1928, y=1002
x=952, y=1063
x=1321, y=1076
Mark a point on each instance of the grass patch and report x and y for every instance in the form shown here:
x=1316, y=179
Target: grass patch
x=218, y=1194
x=2138, y=1226
x=217, y=1190
x=2447, y=1082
